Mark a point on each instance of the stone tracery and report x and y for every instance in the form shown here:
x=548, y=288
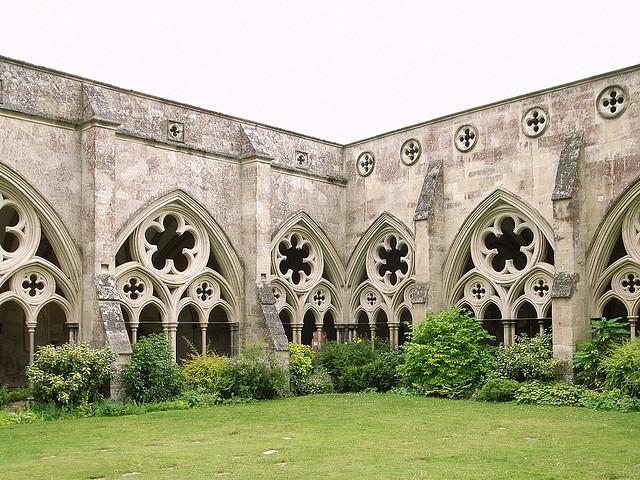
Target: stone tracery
x=510, y=272
x=169, y=259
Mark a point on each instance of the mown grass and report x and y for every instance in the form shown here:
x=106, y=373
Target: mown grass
x=365, y=436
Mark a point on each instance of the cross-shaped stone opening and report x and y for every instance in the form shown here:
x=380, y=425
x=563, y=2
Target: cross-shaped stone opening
x=411, y=151
x=171, y=245
x=371, y=298
x=9, y=217
x=478, y=291
x=366, y=163
x=175, y=130
x=613, y=101
x=32, y=285
x=467, y=137
x=133, y=288
x=509, y=244
x=301, y=158
x=393, y=260
x=295, y=259
x=631, y=283
x=536, y=121
x=204, y=291
x=319, y=297
x=540, y=288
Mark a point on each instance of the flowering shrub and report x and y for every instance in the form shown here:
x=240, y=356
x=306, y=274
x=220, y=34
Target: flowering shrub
x=70, y=375
x=300, y=366
x=201, y=372
x=527, y=359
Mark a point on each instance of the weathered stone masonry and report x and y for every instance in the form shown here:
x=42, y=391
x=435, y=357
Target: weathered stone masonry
x=124, y=214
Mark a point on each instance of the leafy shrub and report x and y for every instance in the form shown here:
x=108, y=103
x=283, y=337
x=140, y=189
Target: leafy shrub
x=549, y=393
x=527, y=359
x=255, y=373
x=357, y=366
x=605, y=335
x=19, y=394
x=318, y=381
x=622, y=368
x=4, y=396
x=448, y=354
x=497, y=390
x=199, y=398
x=300, y=365
x=201, y=372
x=609, y=400
x=151, y=375
x=70, y=374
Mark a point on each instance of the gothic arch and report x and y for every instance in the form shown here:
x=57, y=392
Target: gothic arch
x=502, y=256
x=613, y=257
x=40, y=266
x=307, y=274
x=380, y=271
x=172, y=254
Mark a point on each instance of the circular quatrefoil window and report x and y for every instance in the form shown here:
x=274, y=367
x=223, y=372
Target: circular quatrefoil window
x=365, y=163
x=612, y=101
x=410, y=151
x=466, y=138
x=534, y=122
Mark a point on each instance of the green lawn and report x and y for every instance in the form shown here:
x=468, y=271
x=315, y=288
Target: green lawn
x=363, y=436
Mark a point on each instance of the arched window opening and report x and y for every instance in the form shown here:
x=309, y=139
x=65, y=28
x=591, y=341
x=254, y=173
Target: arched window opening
x=188, y=337
x=285, y=319
x=308, y=328
x=364, y=329
x=382, y=326
x=491, y=322
x=14, y=345
x=51, y=328
x=404, y=329
x=219, y=337
x=527, y=320
x=328, y=327
x=150, y=321
x=615, y=309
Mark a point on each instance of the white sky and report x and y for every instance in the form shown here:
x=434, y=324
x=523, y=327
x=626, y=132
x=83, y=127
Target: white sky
x=339, y=70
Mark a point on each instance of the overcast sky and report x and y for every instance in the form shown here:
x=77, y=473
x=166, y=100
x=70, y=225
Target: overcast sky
x=339, y=70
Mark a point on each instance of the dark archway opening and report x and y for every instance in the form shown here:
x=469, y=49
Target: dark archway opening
x=14, y=345
x=308, y=327
x=406, y=323
x=150, y=321
x=188, y=333
x=382, y=326
x=285, y=319
x=527, y=320
x=329, y=328
x=363, y=329
x=492, y=324
x=219, y=332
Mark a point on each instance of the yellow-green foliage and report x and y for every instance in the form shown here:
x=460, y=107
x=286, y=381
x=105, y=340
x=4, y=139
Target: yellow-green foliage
x=300, y=360
x=202, y=371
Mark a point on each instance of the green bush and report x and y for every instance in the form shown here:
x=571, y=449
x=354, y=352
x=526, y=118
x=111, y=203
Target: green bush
x=357, y=366
x=19, y=394
x=609, y=400
x=448, y=355
x=70, y=374
x=201, y=372
x=497, y=390
x=622, y=368
x=300, y=366
x=527, y=359
x=550, y=393
x=587, y=360
x=151, y=375
x=255, y=373
x=318, y=381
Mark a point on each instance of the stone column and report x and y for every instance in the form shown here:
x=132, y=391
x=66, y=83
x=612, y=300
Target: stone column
x=171, y=330
x=570, y=290
x=296, y=330
x=393, y=334
x=203, y=338
x=633, y=325
x=31, y=330
x=540, y=326
x=235, y=338
x=134, y=332
x=509, y=329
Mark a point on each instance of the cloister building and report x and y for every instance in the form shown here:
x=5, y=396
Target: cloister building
x=123, y=214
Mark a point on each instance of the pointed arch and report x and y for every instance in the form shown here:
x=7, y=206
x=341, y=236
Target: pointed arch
x=457, y=253
x=385, y=223
x=301, y=221
x=225, y=254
